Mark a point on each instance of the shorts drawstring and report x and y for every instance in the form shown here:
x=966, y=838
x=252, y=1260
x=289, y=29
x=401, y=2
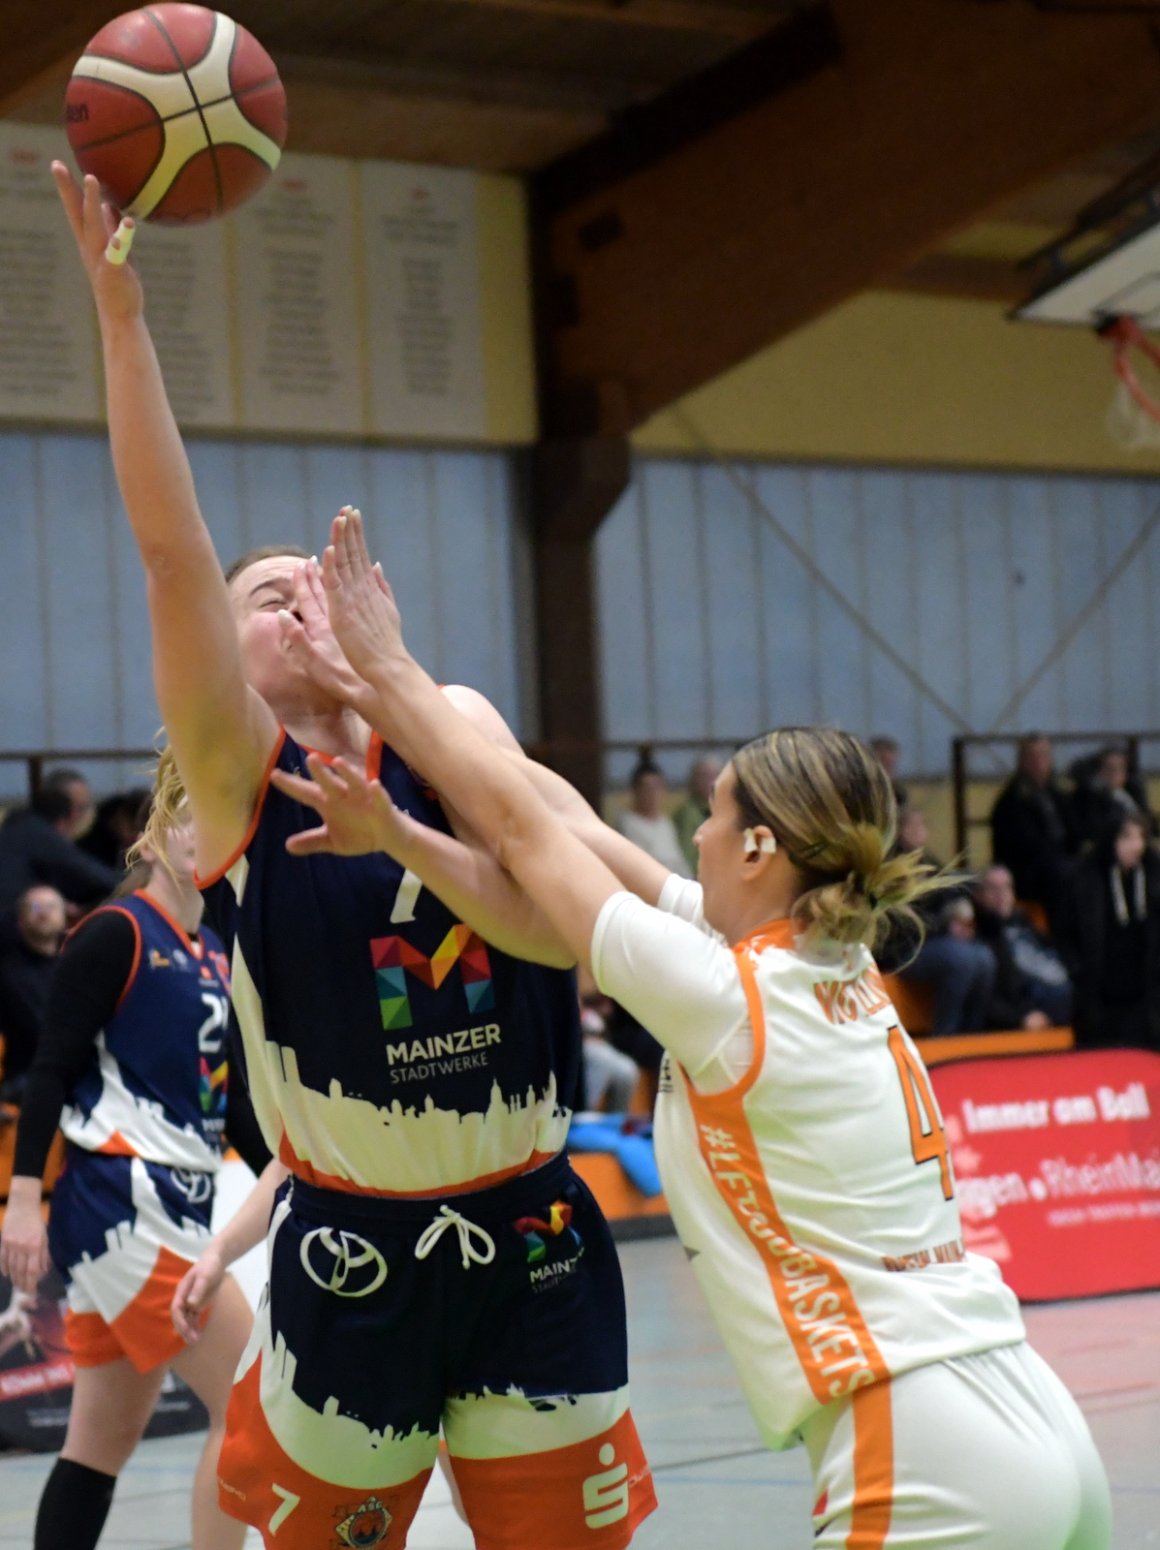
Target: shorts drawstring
x=468, y=1251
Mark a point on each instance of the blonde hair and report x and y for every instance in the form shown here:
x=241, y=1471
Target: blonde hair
x=832, y=810
x=169, y=798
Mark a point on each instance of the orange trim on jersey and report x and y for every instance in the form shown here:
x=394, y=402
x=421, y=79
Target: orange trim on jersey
x=837, y=1353
x=259, y=802
x=374, y=767
x=114, y=909
x=116, y=1146
x=774, y=933
x=309, y=1174
x=196, y=949
x=873, y=1468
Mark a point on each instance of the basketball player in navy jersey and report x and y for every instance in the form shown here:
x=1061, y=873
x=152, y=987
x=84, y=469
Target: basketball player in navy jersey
x=134, y=1052
x=434, y=1261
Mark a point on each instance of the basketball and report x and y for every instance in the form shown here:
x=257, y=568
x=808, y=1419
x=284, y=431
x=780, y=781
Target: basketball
x=178, y=111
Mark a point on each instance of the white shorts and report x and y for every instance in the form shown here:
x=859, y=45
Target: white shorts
x=988, y=1452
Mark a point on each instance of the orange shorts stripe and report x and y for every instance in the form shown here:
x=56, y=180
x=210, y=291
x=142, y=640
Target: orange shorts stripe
x=90, y=1341
x=591, y=1494
x=142, y=1332
x=260, y=1484
x=873, y=1468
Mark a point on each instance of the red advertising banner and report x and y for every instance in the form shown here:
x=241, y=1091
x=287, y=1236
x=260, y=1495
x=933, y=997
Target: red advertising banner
x=1057, y=1167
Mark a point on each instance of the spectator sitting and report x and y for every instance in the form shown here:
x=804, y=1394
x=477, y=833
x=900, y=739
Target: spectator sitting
x=960, y=971
x=1112, y=939
x=117, y=826
x=887, y=751
x=694, y=809
x=1031, y=827
x=610, y=1077
x=1105, y=790
x=25, y=971
x=647, y=823
x=37, y=846
x=1032, y=989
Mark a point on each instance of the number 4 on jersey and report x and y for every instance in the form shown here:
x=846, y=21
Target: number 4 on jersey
x=928, y=1139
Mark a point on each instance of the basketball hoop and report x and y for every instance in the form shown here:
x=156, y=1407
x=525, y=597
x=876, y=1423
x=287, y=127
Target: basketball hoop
x=1133, y=419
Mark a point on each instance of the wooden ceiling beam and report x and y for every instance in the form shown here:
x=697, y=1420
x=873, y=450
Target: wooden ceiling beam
x=962, y=276
x=43, y=41
x=717, y=18
x=661, y=275
x=520, y=89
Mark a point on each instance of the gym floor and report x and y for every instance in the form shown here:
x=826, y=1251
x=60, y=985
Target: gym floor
x=716, y=1484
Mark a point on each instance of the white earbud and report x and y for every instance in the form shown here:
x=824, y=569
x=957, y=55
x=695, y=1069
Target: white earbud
x=766, y=845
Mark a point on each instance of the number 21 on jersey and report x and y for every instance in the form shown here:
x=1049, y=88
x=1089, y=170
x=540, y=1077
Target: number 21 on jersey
x=928, y=1139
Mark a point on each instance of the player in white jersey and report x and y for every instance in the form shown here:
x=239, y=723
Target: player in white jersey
x=801, y=1147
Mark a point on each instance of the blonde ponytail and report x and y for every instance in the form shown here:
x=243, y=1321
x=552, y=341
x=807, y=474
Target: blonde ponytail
x=831, y=806
x=168, y=799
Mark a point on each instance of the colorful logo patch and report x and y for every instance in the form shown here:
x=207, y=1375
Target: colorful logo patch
x=366, y=1525
x=211, y=1086
x=394, y=958
x=535, y=1230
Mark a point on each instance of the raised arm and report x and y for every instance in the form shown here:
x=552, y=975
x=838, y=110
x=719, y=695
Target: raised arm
x=490, y=789
x=220, y=730
x=358, y=816
x=322, y=658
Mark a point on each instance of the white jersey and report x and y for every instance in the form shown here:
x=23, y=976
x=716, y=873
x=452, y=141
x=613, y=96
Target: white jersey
x=803, y=1159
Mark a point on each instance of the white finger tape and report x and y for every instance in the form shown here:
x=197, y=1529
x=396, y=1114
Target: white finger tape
x=118, y=245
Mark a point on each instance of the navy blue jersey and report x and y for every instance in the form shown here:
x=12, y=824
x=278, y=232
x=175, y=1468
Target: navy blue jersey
x=154, y=1085
x=388, y=1048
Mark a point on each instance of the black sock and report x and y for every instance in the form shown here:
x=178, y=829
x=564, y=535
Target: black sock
x=73, y=1507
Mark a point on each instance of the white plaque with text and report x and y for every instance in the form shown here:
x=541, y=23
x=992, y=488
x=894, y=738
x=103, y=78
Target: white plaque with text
x=300, y=345
x=421, y=259
x=186, y=279
x=48, y=337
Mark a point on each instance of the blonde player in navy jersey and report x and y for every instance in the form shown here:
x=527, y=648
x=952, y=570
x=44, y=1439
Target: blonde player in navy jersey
x=133, y=1051
x=434, y=1262
x=801, y=1147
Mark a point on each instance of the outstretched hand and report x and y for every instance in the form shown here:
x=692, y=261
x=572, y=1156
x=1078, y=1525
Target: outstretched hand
x=103, y=242
x=309, y=639
x=359, y=601
x=357, y=814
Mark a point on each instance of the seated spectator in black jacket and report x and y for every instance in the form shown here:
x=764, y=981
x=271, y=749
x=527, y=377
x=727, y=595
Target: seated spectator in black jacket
x=959, y=970
x=1104, y=791
x=1032, y=988
x=37, y=846
x=26, y=966
x=1112, y=939
x=117, y=826
x=1031, y=827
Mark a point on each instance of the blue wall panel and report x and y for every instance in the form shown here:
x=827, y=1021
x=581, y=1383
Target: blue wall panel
x=74, y=632
x=973, y=578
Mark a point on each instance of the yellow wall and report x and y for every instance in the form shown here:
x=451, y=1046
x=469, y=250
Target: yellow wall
x=913, y=379
x=505, y=285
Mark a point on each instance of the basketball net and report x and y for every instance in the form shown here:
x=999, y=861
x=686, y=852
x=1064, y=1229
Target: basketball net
x=1133, y=418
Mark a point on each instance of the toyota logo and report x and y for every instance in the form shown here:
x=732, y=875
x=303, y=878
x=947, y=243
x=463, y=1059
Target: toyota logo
x=196, y=1187
x=342, y=1257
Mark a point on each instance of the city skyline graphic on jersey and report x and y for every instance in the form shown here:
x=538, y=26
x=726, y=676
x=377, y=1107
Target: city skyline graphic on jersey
x=394, y=958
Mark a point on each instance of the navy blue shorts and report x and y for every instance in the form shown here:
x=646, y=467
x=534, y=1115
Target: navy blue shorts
x=497, y=1316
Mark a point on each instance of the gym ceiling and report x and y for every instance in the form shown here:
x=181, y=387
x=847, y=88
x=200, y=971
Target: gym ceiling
x=705, y=176
x=708, y=175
